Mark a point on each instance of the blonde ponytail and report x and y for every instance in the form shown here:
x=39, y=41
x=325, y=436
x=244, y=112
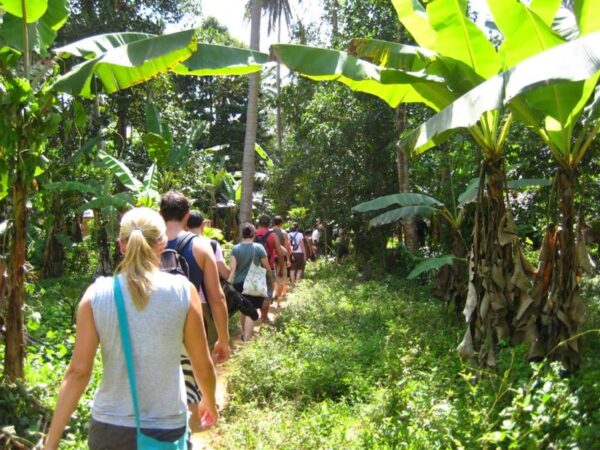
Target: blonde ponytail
x=142, y=231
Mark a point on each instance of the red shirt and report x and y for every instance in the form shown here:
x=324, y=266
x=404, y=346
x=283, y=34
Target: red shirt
x=270, y=244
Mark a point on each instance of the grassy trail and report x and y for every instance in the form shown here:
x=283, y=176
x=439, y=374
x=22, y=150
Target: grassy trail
x=372, y=364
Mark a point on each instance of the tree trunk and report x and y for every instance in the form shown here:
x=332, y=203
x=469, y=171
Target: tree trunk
x=54, y=255
x=559, y=307
x=497, y=298
x=14, y=357
x=248, y=163
x=278, y=103
x=105, y=267
x=334, y=18
x=410, y=229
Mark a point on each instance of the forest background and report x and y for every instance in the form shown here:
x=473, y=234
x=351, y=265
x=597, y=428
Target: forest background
x=338, y=149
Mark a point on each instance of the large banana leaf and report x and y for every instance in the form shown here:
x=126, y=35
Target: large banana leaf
x=459, y=38
x=76, y=186
x=430, y=264
x=121, y=60
x=34, y=9
x=414, y=18
x=570, y=62
x=525, y=33
x=392, y=55
x=588, y=19
x=212, y=59
x=545, y=9
x=41, y=32
x=402, y=199
x=395, y=215
x=121, y=171
x=392, y=86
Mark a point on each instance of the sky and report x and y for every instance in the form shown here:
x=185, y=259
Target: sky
x=231, y=14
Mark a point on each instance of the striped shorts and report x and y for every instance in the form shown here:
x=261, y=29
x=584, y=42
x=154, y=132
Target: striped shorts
x=191, y=388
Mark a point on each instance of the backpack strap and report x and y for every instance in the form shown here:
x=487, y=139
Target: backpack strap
x=184, y=241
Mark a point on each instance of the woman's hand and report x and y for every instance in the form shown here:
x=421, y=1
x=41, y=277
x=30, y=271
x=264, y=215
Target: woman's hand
x=208, y=414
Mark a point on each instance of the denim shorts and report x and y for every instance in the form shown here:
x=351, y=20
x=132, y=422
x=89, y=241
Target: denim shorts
x=105, y=436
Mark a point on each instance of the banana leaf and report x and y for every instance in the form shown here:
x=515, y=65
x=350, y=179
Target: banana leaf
x=121, y=171
x=573, y=61
x=121, y=60
x=34, y=9
x=402, y=199
x=431, y=264
x=395, y=215
x=392, y=86
x=213, y=59
x=41, y=32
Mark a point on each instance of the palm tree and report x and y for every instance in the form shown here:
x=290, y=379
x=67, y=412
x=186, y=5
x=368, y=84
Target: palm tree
x=275, y=9
x=248, y=163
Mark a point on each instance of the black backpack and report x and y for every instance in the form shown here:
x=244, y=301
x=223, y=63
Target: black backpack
x=262, y=240
x=172, y=261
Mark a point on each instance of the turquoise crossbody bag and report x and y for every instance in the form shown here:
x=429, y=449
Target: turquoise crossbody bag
x=144, y=442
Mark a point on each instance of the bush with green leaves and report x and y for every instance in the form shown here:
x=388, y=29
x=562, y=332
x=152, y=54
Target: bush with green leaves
x=373, y=364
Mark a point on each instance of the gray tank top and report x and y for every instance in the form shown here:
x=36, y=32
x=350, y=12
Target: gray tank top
x=156, y=339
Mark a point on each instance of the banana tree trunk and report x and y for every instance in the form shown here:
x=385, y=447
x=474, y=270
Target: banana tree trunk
x=497, y=296
x=248, y=162
x=560, y=308
x=14, y=357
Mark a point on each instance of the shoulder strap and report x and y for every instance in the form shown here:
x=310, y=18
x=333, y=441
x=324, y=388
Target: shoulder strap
x=182, y=244
x=126, y=342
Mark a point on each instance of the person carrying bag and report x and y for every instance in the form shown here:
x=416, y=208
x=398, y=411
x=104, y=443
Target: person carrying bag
x=139, y=319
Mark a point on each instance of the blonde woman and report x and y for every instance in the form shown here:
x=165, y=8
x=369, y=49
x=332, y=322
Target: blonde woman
x=162, y=311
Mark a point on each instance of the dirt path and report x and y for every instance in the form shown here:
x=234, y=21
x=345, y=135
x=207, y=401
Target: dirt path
x=202, y=440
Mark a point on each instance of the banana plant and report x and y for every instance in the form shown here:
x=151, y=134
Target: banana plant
x=451, y=279
x=454, y=60
x=30, y=107
x=552, y=102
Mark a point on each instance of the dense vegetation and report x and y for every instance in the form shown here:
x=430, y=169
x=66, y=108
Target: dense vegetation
x=507, y=203
x=372, y=364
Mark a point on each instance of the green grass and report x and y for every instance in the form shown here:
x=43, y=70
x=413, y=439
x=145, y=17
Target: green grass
x=372, y=364
x=351, y=364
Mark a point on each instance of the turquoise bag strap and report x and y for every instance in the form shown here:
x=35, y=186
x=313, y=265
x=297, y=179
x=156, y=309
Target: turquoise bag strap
x=126, y=341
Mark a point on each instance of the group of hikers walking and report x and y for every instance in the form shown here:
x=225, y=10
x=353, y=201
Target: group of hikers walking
x=173, y=286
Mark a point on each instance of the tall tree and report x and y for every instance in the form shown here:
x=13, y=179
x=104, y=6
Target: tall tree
x=275, y=10
x=248, y=163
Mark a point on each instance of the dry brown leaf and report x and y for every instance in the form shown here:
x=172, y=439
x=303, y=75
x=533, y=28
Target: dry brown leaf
x=465, y=348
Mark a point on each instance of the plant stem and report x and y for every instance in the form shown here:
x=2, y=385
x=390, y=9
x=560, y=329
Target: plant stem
x=26, y=55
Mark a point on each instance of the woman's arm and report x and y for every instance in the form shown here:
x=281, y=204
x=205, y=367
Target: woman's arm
x=77, y=375
x=232, y=268
x=194, y=339
x=265, y=263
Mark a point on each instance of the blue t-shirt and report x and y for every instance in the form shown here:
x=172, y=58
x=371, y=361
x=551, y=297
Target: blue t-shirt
x=243, y=255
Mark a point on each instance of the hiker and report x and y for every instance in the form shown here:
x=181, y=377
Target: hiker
x=244, y=254
x=281, y=276
x=272, y=245
x=162, y=311
x=342, y=247
x=204, y=275
x=299, y=253
x=196, y=224
x=235, y=300
x=316, y=237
